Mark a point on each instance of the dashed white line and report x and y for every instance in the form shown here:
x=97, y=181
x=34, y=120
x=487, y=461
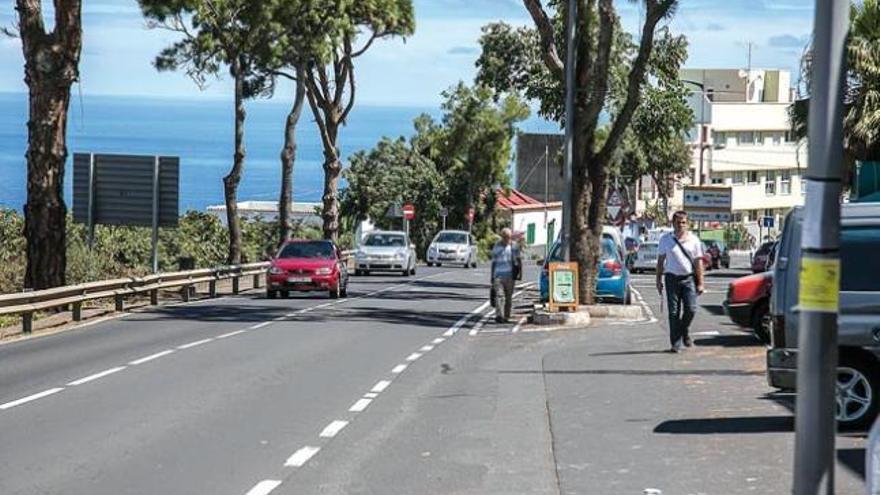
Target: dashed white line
x=360, y=405
x=259, y=325
x=230, y=334
x=427, y=348
x=151, y=357
x=399, y=368
x=480, y=323
x=380, y=386
x=333, y=429
x=30, y=398
x=371, y=395
x=264, y=487
x=438, y=340
x=464, y=319
x=100, y=374
x=301, y=456
x=413, y=356
x=193, y=344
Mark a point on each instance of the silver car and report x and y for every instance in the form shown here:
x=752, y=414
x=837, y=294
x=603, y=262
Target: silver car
x=645, y=258
x=386, y=251
x=453, y=247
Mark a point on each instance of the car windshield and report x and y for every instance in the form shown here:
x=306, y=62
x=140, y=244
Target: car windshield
x=312, y=250
x=609, y=251
x=385, y=240
x=452, y=238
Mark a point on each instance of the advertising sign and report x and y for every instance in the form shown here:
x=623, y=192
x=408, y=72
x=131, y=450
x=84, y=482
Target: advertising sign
x=563, y=286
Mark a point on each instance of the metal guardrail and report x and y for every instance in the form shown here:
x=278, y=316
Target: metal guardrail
x=28, y=303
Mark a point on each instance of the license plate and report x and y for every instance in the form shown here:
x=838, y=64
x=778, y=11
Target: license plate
x=299, y=280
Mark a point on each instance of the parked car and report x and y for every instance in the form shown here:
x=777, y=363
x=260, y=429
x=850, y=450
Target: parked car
x=763, y=258
x=719, y=253
x=645, y=258
x=613, y=280
x=306, y=266
x=748, y=303
x=386, y=251
x=858, y=372
x=453, y=247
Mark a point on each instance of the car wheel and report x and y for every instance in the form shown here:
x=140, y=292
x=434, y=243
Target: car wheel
x=439, y=264
x=366, y=273
x=856, y=391
x=412, y=271
x=285, y=294
x=271, y=294
x=430, y=264
x=334, y=293
x=344, y=290
x=405, y=272
x=358, y=273
x=474, y=264
x=761, y=321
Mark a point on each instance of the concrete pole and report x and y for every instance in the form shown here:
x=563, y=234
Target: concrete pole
x=820, y=259
x=570, y=35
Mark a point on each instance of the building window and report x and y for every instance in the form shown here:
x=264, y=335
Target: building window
x=738, y=178
x=745, y=138
x=770, y=184
x=777, y=138
x=717, y=179
x=785, y=182
x=530, y=234
x=737, y=217
x=719, y=139
x=753, y=214
x=789, y=137
x=753, y=177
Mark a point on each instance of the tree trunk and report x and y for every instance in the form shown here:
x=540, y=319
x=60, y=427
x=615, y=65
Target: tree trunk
x=332, y=169
x=288, y=155
x=51, y=67
x=231, y=181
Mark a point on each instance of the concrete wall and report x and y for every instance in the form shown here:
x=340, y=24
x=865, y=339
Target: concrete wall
x=537, y=157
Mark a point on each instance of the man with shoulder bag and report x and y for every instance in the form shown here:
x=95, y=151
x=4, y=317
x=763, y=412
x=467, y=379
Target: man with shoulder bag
x=506, y=268
x=679, y=268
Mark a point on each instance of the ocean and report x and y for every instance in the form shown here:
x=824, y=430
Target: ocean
x=200, y=132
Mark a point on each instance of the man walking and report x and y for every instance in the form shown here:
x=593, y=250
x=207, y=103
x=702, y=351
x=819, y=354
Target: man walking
x=679, y=266
x=505, y=256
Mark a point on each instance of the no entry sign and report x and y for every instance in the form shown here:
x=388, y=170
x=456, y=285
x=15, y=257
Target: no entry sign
x=409, y=211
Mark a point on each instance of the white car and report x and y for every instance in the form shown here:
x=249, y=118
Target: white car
x=386, y=251
x=453, y=247
x=645, y=257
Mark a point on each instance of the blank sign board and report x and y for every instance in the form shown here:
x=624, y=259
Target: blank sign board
x=123, y=189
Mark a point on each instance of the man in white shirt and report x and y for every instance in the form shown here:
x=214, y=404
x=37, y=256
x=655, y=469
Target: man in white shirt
x=679, y=265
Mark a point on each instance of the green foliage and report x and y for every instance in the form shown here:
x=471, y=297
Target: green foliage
x=12, y=251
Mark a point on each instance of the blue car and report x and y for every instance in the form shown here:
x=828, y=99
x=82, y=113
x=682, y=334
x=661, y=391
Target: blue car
x=613, y=280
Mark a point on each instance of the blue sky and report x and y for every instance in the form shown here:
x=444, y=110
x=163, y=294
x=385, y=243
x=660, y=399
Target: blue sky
x=118, y=48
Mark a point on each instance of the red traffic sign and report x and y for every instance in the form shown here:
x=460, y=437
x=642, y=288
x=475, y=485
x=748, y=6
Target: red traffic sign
x=409, y=211
x=470, y=215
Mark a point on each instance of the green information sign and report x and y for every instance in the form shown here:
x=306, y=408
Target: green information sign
x=563, y=286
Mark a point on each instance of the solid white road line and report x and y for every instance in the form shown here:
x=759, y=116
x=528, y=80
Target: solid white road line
x=380, y=386
x=518, y=325
x=426, y=348
x=151, y=357
x=264, y=487
x=464, y=319
x=399, y=368
x=413, y=356
x=259, y=325
x=438, y=340
x=193, y=344
x=95, y=376
x=230, y=334
x=371, y=395
x=480, y=323
x=301, y=456
x=708, y=333
x=360, y=405
x=30, y=398
x=333, y=429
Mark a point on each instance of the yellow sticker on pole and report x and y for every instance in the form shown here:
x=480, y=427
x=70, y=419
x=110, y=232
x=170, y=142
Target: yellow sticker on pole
x=819, y=285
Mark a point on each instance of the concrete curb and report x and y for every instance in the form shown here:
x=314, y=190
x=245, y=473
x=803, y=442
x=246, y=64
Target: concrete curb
x=585, y=315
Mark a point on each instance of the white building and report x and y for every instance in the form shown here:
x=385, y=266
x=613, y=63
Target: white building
x=307, y=213
x=746, y=142
x=538, y=222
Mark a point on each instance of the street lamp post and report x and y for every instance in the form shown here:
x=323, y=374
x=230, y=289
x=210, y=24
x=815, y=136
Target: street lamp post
x=570, y=33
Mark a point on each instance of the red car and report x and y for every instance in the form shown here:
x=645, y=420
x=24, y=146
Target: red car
x=306, y=266
x=763, y=259
x=748, y=303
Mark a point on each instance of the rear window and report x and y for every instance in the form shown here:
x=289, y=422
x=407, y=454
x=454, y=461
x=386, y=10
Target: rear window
x=609, y=250
x=315, y=250
x=385, y=240
x=859, y=261
x=452, y=238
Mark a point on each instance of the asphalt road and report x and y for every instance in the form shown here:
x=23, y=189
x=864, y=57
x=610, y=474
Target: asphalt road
x=214, y=396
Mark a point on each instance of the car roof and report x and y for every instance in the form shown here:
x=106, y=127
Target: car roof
x=385, y=232
x=452, y=232
x=302, y=241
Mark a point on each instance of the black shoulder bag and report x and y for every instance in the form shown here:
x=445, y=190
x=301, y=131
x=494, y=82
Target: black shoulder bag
x=686, y=255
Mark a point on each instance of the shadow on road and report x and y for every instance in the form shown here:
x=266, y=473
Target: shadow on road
x=715, y=309
x=744, y=340
x=696, y=372
x=735, y=425
x=853, y=459
x=629, y=353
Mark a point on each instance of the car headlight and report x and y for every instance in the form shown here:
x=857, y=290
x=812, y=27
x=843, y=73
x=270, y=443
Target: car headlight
x=323, y=271
x=433, y=249
x=401, y=253
x=275, y=271
x=360, y=254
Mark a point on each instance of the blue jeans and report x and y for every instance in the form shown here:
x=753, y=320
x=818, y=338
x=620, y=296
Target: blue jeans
x=681, y=299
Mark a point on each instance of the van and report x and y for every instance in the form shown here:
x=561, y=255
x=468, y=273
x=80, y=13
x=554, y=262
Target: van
x=858, y=372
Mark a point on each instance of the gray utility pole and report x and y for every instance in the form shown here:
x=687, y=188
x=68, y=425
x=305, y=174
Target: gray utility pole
x=820, y=259
x=570, y=35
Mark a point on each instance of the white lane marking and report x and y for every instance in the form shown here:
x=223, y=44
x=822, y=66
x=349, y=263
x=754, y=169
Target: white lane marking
x=151, y=357
x=301, y=456
x=333, y=429
x=380, y=386
x=230, y=334
x=291, y=315
x=259, y=325
x=427, y=348
x=193, y=344
x=464, y=319
x=279, y=318
x=399, y=368
x=370, y=395
x=360, y=405
x=645, y=306
x=476, y=328
x=518, y=325
x=438, y=340
x=30, y=398
x=100, y=374
x=708, y=333
x=264, y=487
x=413, y=356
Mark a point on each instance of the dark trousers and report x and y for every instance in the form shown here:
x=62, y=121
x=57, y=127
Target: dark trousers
x=681, y=299
x=503, y=297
